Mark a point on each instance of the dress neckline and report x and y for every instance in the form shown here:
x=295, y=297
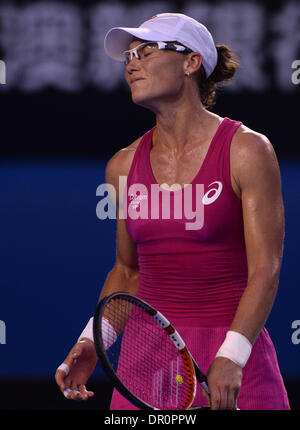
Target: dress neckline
x=202, y=167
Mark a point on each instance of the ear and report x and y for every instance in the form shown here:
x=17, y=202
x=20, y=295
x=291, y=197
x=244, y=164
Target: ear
x=192, y=63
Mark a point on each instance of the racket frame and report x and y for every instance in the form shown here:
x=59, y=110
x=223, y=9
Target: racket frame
x=193, y=371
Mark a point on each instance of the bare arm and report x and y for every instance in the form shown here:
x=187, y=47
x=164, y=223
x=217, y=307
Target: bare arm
x=124, y=276
x=259, y=180
x=257, y=176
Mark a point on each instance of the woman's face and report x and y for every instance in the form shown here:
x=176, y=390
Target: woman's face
x=158, y=76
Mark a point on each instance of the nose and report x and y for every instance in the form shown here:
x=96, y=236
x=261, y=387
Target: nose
x=134, y=64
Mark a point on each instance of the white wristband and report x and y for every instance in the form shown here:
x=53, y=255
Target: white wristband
x=64, y=368
x=236, y=347
x=88, y=331
x=109, y=334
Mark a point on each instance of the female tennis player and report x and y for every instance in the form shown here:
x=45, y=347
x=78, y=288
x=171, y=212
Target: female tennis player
x=214, y=276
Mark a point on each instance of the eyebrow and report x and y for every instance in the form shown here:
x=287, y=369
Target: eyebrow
x=136, y=40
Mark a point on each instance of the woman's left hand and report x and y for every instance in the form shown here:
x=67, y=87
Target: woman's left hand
x=224, y=379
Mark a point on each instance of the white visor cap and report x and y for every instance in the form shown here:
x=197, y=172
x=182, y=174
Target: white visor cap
x=165, y=27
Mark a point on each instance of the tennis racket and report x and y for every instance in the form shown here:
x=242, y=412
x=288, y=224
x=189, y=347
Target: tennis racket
x=143, y=355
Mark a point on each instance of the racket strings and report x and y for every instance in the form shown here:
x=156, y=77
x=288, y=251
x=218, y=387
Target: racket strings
x=144, y=357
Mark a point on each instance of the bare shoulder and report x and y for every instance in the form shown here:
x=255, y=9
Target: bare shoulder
x=252, y=155
x=120, y=163
x=249, y=143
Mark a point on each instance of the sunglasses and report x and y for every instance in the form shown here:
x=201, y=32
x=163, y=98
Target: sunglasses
x=144, y=49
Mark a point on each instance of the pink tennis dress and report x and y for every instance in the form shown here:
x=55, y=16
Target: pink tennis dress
x=193, y=264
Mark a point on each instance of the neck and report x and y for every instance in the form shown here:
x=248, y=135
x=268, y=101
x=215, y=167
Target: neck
x=182, y=122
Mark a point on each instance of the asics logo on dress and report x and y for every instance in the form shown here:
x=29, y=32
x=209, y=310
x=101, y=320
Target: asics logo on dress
x=209, y=198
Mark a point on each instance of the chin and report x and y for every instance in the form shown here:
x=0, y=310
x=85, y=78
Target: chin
x=140, y=99
x=145, y=100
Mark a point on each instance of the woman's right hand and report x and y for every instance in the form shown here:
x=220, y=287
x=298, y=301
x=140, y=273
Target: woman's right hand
x=81, y=362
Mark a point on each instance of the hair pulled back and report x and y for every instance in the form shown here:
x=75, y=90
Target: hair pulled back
x=223, y=72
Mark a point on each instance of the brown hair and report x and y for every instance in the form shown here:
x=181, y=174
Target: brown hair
x=223, y=72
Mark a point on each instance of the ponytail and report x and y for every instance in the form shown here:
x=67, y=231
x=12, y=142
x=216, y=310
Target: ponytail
x=223, y=72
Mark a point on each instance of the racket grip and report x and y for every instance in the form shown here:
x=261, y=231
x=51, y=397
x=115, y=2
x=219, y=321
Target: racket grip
x=205, y=387
x=201, y=377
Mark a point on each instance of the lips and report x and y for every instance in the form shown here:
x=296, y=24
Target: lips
x=135, y=80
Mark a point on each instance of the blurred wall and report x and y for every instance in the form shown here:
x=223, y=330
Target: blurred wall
x=65, y=110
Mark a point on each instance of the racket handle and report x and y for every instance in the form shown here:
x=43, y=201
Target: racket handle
x=205, y=387
x=201, y=377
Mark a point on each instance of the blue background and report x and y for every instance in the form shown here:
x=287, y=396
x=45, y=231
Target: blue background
x=55, y=255
x=64, y=111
